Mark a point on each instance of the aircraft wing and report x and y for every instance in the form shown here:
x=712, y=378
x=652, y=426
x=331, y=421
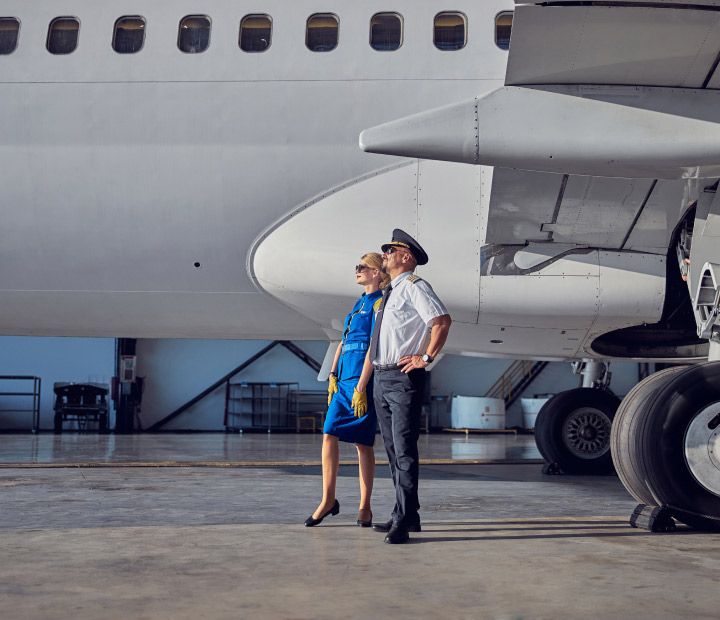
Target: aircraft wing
x=599, y=212
x=640, y=43
x=606, y=131
x=614, y=43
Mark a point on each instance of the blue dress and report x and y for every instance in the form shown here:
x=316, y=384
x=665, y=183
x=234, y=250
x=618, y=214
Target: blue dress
x=340, y=420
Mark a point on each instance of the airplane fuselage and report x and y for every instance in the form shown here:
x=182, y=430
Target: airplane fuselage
x=134, y=184
x=222, y=193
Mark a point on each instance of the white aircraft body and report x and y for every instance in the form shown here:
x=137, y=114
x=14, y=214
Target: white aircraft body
x=121, y=171
x=565, y=193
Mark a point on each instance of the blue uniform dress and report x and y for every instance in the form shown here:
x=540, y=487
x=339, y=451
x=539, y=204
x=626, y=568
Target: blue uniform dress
x=340, y=420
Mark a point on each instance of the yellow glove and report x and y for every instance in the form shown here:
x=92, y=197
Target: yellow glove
x=359, y=403
x=332, y=388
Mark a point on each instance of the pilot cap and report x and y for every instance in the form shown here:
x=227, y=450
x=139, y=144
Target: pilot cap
x=401, y=238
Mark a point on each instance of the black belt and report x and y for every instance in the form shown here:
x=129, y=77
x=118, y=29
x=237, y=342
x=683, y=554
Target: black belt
x=382, y=367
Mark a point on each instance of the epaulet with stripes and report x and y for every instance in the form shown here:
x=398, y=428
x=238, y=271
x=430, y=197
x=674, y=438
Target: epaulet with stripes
x=376, y=305
x=413, y=278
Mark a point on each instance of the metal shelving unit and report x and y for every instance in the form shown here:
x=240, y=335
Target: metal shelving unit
x=252, y=406
x=312, y=407
x=14, y=395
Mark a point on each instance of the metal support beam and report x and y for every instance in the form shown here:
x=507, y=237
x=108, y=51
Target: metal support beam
x=594, y=374
x=285, y=343
x=297, y=351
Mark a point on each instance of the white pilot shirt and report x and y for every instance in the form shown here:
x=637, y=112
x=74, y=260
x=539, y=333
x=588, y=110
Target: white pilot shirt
x=409, y=314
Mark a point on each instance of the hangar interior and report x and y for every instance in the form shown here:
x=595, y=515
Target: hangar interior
x=173, y=372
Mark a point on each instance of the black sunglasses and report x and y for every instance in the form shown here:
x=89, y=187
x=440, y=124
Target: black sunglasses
x=360, y=268
x=392, y=249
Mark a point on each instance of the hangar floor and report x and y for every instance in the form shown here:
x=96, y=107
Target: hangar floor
x=499, y=540
x=247, y=448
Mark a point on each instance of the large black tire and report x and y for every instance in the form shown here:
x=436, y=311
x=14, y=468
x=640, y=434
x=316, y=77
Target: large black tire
x=573, y=430
x=625, y=437
x=677, y=405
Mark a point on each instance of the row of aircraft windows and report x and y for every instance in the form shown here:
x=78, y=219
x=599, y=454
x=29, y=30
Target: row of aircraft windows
x=321, y=33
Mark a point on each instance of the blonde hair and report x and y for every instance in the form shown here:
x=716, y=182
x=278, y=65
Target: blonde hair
x=374, y=261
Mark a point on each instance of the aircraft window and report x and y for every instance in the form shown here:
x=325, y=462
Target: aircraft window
x=129, y=35
x=386, y=32
x=450, y=31
x=322, y=32
x=503, y=27
x=63, y=35
x=9, y=30
x=194, y=35
x=255, y=33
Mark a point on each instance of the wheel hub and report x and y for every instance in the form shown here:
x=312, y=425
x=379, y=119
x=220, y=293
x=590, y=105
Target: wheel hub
x=702, y=448
x=586, y=433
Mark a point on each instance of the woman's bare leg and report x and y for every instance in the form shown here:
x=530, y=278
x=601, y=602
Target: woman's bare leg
x=366, y=455
x=330, y=461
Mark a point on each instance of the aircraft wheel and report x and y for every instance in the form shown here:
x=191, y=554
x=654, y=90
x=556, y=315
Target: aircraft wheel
x=631, y=416
x=573, y=430
x=680, y=446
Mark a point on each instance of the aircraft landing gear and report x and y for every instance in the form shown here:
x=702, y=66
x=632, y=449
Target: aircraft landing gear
x=666, y=443
x=572, y=430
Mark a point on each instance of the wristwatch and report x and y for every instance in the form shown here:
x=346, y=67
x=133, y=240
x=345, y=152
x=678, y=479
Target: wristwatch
x=427, y=359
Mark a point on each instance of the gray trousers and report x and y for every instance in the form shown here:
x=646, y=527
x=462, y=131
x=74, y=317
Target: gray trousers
x=398, y=403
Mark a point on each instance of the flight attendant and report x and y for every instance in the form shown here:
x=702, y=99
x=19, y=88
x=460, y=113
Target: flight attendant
x=344, y=421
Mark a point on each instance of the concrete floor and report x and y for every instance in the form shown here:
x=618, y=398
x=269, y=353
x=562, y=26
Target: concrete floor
x=499, y=540
x=248, y=448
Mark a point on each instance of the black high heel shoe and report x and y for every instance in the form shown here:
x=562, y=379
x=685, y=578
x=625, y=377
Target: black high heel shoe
x=362, y=523
x=310, y=522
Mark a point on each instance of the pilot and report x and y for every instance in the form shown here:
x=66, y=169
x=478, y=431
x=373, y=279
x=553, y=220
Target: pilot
x=400, y=352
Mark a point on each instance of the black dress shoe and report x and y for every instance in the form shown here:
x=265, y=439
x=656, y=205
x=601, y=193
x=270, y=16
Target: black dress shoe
x=310, y=522
x=397, y=535
x=362, y=523
x=387, y=526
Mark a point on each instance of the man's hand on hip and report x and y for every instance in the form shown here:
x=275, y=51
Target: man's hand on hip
x=412, y=362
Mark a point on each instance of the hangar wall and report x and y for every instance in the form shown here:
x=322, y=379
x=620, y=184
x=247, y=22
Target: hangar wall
x=177, y=370
x=54, y=359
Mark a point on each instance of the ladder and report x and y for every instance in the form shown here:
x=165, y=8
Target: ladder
x=513, y=382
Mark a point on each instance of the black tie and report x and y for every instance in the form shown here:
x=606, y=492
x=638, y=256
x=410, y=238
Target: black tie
x=378, y=321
